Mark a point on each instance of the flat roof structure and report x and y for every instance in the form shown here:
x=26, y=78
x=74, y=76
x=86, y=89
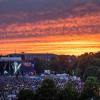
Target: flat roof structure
x=6, y=59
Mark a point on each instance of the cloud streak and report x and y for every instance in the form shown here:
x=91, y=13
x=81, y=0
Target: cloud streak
x=77, y=25
x=49, y=24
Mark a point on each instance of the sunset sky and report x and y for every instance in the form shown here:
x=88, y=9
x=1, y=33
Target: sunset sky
x=49, y=26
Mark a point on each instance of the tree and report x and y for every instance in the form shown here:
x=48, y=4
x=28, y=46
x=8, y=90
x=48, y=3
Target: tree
x=91, y=88
x=47, y=91
x=84, y=61
x=54, y=64
x=69, y=92
x=92, y=71
x=39, y=65
x=26, y=94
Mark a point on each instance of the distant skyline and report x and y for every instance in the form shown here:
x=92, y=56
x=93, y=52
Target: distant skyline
x=49, y=26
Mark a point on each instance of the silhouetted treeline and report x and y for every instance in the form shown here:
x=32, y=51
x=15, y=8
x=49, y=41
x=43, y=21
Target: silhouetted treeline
x=87, y=64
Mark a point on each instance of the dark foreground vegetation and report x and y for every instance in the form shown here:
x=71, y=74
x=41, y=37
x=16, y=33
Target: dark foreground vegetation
x=49, y=91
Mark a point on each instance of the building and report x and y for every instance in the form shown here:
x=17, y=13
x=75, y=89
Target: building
x=25, y=62
x=32, y=56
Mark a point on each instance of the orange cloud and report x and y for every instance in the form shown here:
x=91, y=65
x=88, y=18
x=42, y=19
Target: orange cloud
x=61, y=36
x=53, y=44
x=77, y=25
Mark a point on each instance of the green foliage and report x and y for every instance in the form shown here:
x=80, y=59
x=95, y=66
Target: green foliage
x=92, y=83
x=54, y=65
x=84, y=61
x=96, y=62
x=47, y=91
x=89, y=65
x=91, y=88
x=92, y=71
x=39, y=65
x=26, y=94
x=69, y=92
